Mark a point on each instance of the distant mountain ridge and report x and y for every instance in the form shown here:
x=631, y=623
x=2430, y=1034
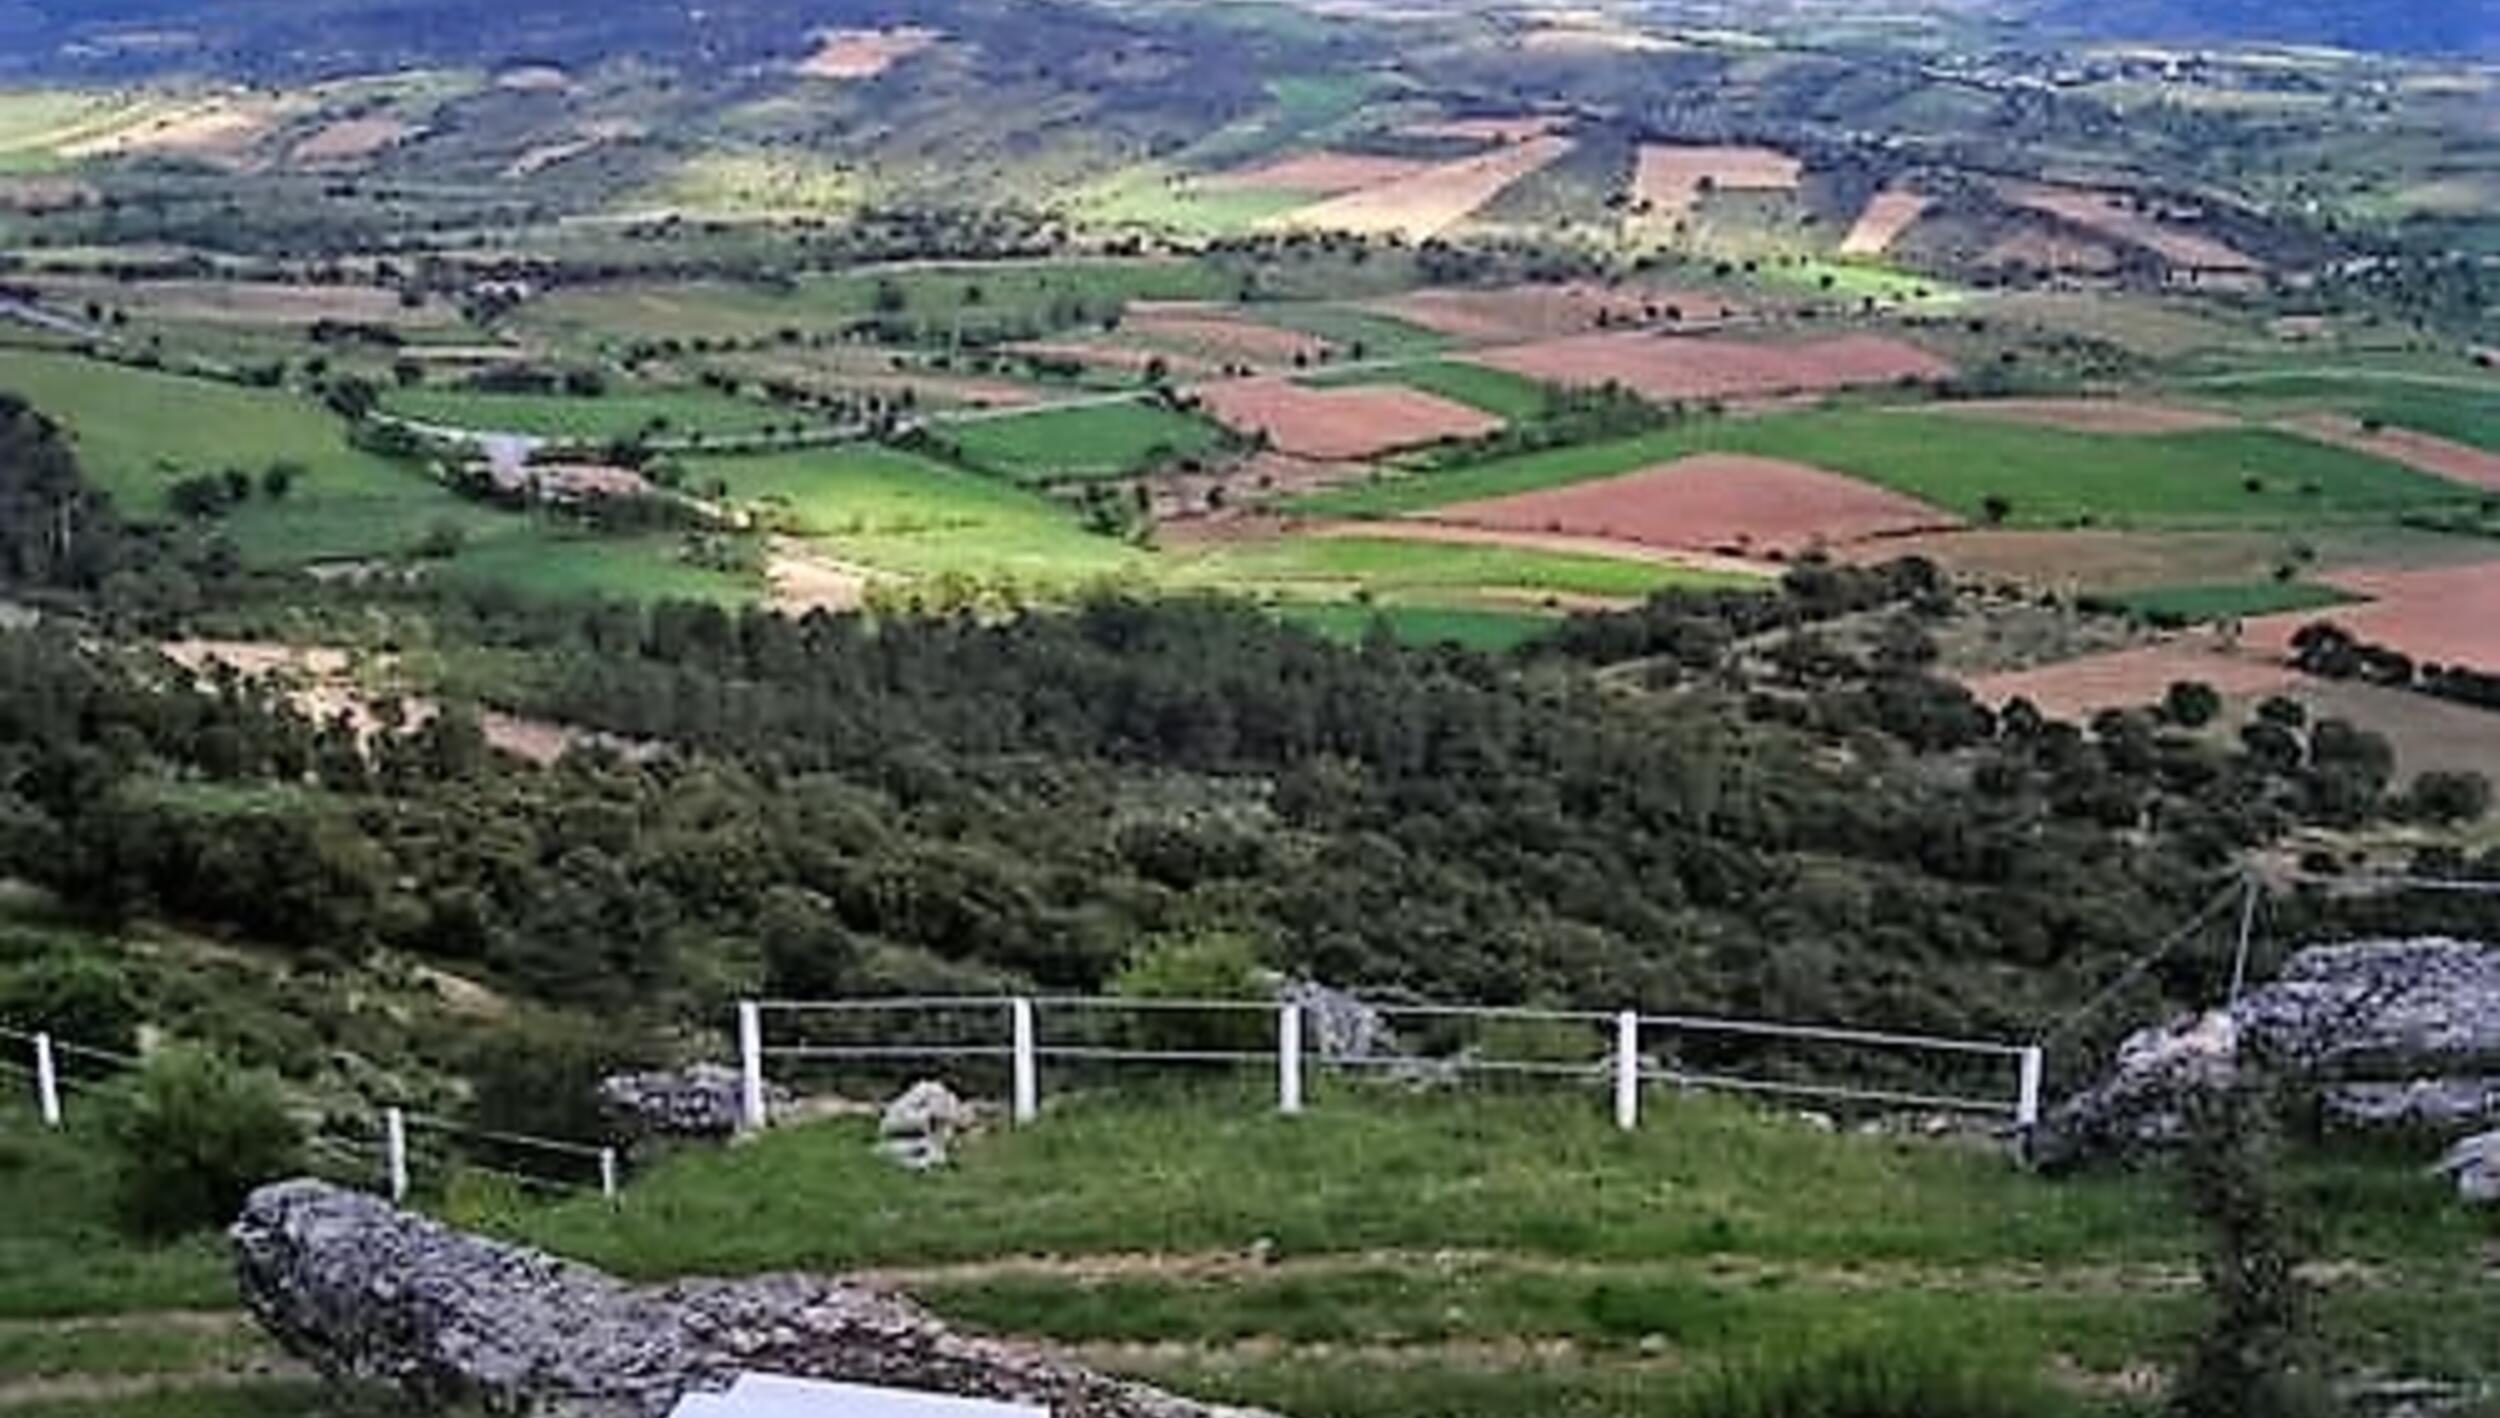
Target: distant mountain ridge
x=2391, y=26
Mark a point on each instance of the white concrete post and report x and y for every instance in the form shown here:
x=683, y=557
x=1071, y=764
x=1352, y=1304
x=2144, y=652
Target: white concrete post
x=2027, y=1103
x=395, y=1151
x=1289, y=1059
x=607, y=1173
x=1028, y=1088
x=1627, y=1071
x=47, y=1083
x=751, y=1065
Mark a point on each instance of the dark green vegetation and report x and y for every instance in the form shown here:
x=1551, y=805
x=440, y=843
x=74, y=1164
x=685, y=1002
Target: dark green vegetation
x=1104, y=441
x=1492, y=390
x=2196, y=605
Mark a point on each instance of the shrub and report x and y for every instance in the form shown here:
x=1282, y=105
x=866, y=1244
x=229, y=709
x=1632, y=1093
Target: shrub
x=192, y=1135
x=1214, y=966
x=2255, y=1357
x=74, y=997
x=541, y=1076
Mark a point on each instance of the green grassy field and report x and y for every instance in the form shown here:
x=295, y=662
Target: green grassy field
x=1391, y=567
x=2464, y=409
x=139, y=432
x=897, y=512
x=618, y=414
x=551, y=560
x=1497, y=392
x=2048, y=477
x=2196, y=605
x=1155, y=195
x=1471, y=628
x=1099, y=441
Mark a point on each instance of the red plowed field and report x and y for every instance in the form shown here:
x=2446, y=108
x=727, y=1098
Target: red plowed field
x=1322, y=174
x=1358, y=422
x=1715, y=501
x=2130, y=679
x=1676, y=367
x=2449, y=616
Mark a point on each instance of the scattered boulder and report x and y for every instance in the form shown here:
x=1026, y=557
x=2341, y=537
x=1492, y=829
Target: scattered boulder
x=2389, y=1033
x=920, y=1126
x=2474, y=1164
x=701, y=1101
x=365, y=1292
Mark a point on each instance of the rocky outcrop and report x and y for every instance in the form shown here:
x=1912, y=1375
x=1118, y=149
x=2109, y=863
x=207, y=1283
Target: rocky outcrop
x=702, y=1101
x=918, y=1129
x=362, y=1291
x=2388, y=1033
x=1336, y=1026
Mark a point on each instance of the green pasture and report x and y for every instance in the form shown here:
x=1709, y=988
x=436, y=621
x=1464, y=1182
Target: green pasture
x=1468, y=627
x=549, y=559
x=138, y=432
x=1497, y=392
x=1159, y=196
x=2047, y=478
x=616, y=414
x=2461, y=407
x=1092, y=442
x=2196, y=605
x=1392, y=567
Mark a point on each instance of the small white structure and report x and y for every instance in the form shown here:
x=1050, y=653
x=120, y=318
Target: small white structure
x=767, y=1396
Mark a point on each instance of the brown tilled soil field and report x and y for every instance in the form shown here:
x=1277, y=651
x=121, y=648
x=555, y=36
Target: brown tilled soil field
x=1676, y=367
x=2088, y=415
x=1125, y=359
x=1712, y=502
x=244, y=302
x=1516, y=314
x=2440, y=457
x=1888, y=214
x=2429, y=735
x=1671, y=179
x=1321, y=174
x=2051, y=251
x=2448, y=615
x=222, y=134
x=1432, y=201
x=864, y=54
x=2108, y=214
x=1209, y=332
x=2128, y=679
x=1336, y=424
x=353, y=140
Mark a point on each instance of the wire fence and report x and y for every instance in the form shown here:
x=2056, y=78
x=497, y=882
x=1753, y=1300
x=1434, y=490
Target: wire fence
x=388, y=1150
x=1010, y=1047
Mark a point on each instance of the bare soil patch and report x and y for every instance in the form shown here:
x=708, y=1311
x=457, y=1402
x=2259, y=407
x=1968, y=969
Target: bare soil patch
x=864, y=54
x=353, y=140
x=2440, y=457
x=1888, y=214
x=1487, y=130
x=1323, y=174
x=1127, y=359
x=1670, y=180
x=2448, y=615
x=2043, y=250
x=1210, y=332
x=2089, y=415
x=1432, y=201
x=1671, y=367
x=803, y=580
x=244, y=302
x=2128, y=679
x=221, y=134
x=2116, y=216
x=1741, y=505
x=1460, y=534
x=1344, y=423
x=2090, y=560
x=1536, y=312
x=534, y=79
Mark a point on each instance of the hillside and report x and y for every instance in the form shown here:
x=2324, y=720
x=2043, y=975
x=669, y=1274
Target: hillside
x=2413, y=27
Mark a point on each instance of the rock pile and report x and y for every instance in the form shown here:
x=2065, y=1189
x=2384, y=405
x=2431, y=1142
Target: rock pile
x=362, y=1291
x=702, y=1101
x=919, y=1128
x=2388, y=1033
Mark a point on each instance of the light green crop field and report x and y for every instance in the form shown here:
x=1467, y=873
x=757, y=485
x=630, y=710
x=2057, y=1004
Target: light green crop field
x=1388, y=566
x=2230, y=601
x=2464, y=409
x=616, y=414
x=1094, y=442
x=1155, y=195
x=138, y=432
x=1495, y=391
x=2047, y=477
x=935, y=299
x=898, y=512
x=551, y=560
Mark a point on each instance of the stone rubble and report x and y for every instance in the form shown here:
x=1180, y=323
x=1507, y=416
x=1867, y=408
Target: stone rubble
x=918, y=1129
x=364, y=1292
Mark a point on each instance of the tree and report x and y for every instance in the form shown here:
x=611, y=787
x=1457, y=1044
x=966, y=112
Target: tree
x=1996, y=507
x=279, y=479
x=2447, y=798
x=2255, y=1357
x=2191, y=704
x=192, y=1135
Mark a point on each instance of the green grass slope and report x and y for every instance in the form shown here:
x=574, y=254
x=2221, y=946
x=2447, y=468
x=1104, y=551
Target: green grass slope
x=1100, y=441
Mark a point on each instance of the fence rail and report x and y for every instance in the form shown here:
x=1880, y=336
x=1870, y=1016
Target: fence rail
x=1026, y=1033
x=387, y=1160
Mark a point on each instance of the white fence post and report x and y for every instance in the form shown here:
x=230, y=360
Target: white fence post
x=2027, y=1104
x=1289, y=1059
x=47, y=1083
x=395, y=1151
x=1028, y=1090
x=607, y=1173
x=751, y=1065
x=1627, y=1071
